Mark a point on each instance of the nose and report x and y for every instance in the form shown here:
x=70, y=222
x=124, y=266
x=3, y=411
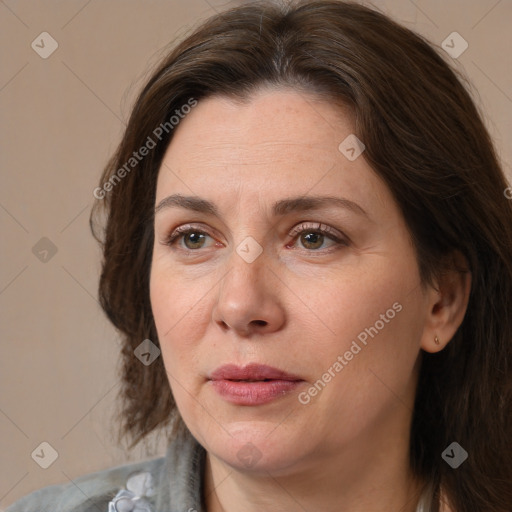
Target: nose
x=249, y=297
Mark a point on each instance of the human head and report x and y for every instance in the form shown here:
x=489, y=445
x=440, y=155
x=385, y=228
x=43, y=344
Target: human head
x=438, y=163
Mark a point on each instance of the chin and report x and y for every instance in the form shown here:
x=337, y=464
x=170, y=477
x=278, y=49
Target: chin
x=253, y=447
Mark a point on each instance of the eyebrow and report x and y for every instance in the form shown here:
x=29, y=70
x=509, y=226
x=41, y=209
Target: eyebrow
x=279, y=208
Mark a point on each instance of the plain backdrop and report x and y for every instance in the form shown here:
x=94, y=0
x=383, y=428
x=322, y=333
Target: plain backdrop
x=62, y=116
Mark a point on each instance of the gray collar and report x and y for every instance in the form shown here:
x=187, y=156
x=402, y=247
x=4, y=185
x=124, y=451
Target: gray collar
x=181, y=481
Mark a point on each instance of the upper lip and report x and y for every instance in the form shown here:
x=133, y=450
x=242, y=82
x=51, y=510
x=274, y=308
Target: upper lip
x=251, y=371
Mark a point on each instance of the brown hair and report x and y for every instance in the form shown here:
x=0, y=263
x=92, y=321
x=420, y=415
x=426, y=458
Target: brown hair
x=423, y=136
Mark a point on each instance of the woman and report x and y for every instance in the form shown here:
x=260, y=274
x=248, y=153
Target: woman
x=308, y=252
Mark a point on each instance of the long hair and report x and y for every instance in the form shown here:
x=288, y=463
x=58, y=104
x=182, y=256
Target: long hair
x=424, y=137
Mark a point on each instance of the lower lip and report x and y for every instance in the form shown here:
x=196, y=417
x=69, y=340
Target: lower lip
x=253, y=393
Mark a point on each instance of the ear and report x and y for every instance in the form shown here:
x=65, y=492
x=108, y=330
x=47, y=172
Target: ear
x=447, y=304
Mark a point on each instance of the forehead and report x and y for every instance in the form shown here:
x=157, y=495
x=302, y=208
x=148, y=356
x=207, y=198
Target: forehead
x=279, y=142
x=269, y=118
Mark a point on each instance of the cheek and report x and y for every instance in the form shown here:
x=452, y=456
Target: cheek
x=172, y=299
x=345, y=304
x=172, y=322
x=358, y=374
x=179, y=311
x=373, y=319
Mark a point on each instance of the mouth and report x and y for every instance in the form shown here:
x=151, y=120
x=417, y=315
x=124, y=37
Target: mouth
x=251, y=373
x=254, y=384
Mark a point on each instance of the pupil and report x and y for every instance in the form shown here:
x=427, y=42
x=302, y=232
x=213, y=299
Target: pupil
x=194, y=235
x=315, y=240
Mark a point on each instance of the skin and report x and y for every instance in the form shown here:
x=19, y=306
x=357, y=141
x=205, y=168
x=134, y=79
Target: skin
x=298, y=306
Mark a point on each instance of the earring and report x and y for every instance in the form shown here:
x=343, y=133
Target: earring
x=436, y=340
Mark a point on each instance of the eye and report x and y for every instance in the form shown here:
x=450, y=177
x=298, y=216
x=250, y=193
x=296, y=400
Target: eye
x=313, y=235
x=192, y=237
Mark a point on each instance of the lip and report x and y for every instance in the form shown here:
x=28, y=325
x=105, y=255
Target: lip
x=254, y=384
x=253, y=371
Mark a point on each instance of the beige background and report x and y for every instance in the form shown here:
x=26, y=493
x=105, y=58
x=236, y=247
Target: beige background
x=61, y=118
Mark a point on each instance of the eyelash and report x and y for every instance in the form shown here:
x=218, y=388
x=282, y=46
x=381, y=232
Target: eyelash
x=316, y=228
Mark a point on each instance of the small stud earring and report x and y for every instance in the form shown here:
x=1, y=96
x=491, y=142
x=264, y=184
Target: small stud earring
x=436, y=339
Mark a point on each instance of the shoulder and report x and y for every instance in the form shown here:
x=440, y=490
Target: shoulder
x=87, y=493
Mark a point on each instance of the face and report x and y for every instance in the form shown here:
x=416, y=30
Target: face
x=326, y=291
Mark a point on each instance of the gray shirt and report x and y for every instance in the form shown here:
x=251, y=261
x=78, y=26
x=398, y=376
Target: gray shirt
x=176, y=486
